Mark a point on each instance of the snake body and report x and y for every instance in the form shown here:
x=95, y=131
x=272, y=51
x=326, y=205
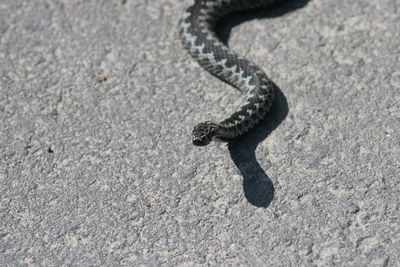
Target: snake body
x=197, y=32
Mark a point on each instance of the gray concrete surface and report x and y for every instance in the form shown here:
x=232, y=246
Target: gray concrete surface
x=97, y=102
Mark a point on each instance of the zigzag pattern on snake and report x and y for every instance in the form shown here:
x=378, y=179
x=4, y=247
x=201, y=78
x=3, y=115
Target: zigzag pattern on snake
x=197, y=32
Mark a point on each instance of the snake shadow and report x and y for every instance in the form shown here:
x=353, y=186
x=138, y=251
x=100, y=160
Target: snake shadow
x=257, y=186
x=225, y=26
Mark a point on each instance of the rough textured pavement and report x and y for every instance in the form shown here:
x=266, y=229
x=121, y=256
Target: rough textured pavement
x=97, y=102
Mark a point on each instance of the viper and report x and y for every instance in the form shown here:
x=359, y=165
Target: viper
x=197, y=32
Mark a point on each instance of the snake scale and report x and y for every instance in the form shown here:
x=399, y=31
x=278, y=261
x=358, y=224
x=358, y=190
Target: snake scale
x=197, y=32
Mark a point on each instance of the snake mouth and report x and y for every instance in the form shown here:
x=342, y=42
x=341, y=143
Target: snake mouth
x=201, y=141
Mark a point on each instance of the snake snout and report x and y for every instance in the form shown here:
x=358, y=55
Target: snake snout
x=201, y=141
x=202, y=134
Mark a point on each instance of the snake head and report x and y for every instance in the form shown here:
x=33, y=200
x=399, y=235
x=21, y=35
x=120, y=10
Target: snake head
x=203, y=133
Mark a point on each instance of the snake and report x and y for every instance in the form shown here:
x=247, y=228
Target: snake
x=197, y=31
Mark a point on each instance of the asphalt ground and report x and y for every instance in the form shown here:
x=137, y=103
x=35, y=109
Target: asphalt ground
x=97, y=102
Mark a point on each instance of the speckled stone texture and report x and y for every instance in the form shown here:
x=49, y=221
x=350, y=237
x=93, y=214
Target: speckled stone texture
x=97, y=102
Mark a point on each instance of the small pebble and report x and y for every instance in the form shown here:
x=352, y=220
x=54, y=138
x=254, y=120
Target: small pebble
x=351, y=208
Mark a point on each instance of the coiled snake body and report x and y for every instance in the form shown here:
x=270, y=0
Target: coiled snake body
x=198, y=37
